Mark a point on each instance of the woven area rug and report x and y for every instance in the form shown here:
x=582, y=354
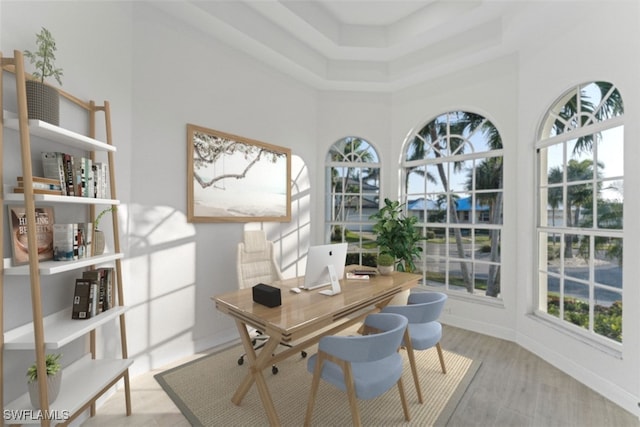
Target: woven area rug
x=202, y=390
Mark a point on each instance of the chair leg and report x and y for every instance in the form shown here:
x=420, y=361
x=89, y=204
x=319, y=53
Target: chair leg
x=314, y=389
x=351, y=393
x=403, y=400
x=441, y=356
x=412, y=363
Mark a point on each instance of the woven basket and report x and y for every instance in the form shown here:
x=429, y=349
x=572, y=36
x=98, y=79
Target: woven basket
x=43, y=102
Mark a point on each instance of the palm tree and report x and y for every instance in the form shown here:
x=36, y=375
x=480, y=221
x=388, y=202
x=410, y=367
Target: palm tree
x=447, y=135
x=488, y=176
x=579, y=197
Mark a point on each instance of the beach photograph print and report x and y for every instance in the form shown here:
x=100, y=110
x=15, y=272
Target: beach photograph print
x=236, y=179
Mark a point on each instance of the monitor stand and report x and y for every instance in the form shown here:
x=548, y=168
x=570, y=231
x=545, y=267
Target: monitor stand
x=335, y=284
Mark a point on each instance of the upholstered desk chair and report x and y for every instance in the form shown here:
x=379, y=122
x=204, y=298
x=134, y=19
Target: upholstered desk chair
x=363, y=366
x=256, y=263
x=424, y=331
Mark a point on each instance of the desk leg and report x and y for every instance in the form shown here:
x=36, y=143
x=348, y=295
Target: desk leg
x=257, y=363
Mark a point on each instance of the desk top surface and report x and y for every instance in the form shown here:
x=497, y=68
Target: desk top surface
x=309, y=310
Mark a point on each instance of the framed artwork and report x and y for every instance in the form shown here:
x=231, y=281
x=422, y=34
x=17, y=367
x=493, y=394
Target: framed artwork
x=236, y=179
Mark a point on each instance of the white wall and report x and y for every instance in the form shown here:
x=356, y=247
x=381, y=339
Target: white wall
x=548, y=68
x=160, y=75
x=489, y=89
x=184, y=76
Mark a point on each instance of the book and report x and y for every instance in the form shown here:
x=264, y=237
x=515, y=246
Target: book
x=75, y=240
x=69, y=175
x=40, y=185
x=107, y=274
x=85, y=235
x=93, y=299
x=39, y=179
x=63, y=242
x=44, y=220
x=102, y=277
x=20, y=190
x=95, y=276
x=87, y=169
x=53, y=167
x=82, y=308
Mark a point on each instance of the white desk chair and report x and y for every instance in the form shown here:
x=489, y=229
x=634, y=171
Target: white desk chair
x=256, y=263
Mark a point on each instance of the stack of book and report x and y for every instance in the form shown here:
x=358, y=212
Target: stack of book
x=72, y=241
x=93, y=293
x=40, y=186
x=77, y=176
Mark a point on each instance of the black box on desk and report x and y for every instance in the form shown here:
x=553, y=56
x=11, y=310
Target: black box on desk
x=266, y=295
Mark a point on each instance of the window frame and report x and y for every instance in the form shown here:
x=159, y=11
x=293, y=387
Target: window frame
x=544, y=230
x=357, y=249
x=475, y=225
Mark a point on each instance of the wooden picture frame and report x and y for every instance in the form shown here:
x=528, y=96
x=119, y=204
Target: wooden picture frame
x=236, y=179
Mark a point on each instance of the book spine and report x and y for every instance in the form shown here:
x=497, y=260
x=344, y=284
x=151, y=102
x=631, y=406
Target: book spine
x=107, y=273
x=105, y=181
x=63, y=242
x=42, y=186
x=76, y=253
x=78, y=176
x=53, y=167
x=88, y=177
x=93, y=299
x=68, y=168
x=96, y=179
x=82, y=300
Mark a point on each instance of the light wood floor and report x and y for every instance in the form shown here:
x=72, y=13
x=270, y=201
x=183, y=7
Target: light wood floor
x=512, y=388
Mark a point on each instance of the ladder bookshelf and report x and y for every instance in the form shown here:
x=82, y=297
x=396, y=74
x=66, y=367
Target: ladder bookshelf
x=87, y=378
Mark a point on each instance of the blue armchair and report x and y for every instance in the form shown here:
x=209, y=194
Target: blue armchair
x=363, y=366
x=424, y=331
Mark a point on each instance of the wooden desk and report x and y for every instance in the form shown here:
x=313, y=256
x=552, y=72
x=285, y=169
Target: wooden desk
x=305, y=317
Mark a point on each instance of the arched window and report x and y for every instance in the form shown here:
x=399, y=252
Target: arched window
x=452, y=171
x=352, y=194
x=580, y=152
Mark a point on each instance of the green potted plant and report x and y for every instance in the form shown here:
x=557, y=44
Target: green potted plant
x=385, y=263
x=54, y=379
x=43, y=100
x=397, y=235
x=98, y=235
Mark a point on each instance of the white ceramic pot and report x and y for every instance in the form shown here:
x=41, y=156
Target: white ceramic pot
x=53, y=388
x=385, y=270
x=98, y=242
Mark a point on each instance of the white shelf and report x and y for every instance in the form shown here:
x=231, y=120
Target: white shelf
x=50, y=198
x=80, y=383
x=57, y=134
x=59, y=329
x=48, y=268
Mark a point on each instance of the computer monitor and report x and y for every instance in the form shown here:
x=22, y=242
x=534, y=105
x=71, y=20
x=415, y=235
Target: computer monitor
x=318, y=258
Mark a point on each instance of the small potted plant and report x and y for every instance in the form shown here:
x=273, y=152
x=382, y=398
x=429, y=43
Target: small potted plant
x=43, y=101
x=98, y=235
x=385, y=263
x=397, y=235
x=54, y=379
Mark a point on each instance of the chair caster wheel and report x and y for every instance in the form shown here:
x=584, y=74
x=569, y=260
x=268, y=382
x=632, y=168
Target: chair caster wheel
x=274, y=370
x=303, y=354
x=240, y=361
